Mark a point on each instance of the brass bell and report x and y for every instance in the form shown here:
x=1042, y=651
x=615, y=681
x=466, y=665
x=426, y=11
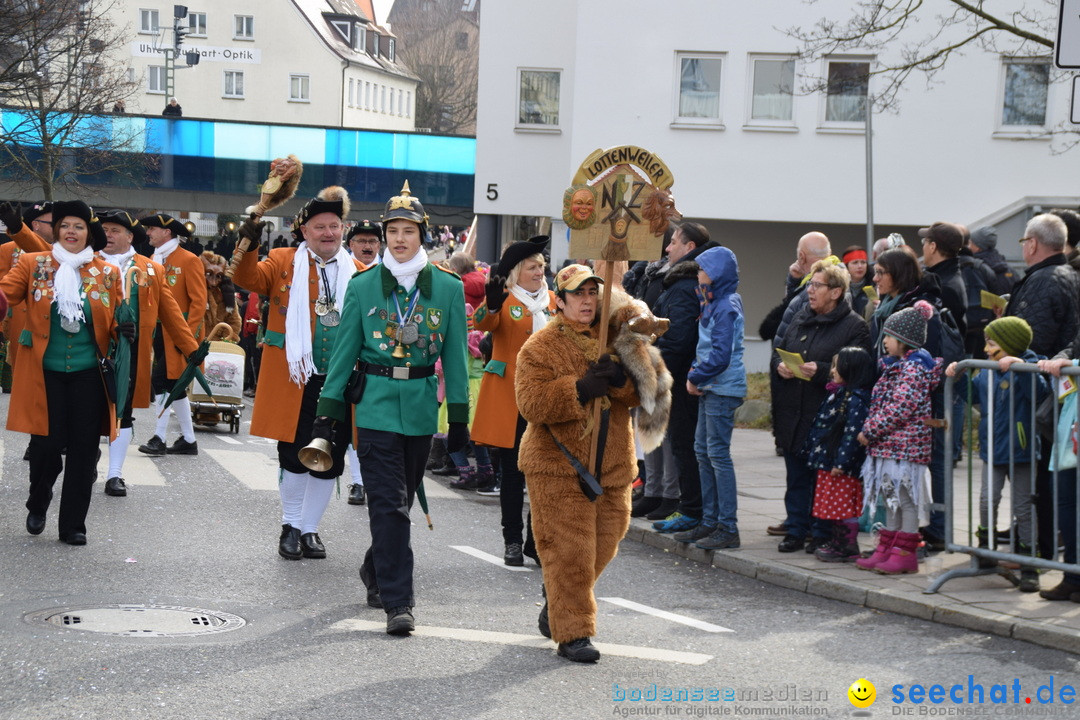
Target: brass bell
x=316, y=455
x=399, y=351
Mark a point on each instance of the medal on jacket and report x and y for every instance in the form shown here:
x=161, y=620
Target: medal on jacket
x=406, y=333
x=325, y=307
x=70, y=325
x=331, y=318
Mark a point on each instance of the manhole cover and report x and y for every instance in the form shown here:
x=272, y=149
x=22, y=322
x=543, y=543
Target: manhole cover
x=139, y=620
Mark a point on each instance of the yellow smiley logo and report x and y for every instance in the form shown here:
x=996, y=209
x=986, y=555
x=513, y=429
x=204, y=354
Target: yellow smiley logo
x=862, y=693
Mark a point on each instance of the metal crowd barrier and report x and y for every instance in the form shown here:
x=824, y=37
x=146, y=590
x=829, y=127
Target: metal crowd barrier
x=973, y=467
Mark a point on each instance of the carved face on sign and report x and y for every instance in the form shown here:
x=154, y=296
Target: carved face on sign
x=579, y=207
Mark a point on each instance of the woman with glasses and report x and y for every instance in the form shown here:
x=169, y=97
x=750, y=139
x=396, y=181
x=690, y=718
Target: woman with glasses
x=816, y=333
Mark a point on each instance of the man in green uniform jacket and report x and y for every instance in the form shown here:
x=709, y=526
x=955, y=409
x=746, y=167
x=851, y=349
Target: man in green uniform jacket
x=399, y=317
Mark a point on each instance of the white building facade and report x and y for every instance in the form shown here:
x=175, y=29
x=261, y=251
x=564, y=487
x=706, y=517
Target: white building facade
x=713, y=88
x=304, y=62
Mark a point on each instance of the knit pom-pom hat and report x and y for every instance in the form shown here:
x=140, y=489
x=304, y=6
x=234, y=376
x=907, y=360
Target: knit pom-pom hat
x=909, y=325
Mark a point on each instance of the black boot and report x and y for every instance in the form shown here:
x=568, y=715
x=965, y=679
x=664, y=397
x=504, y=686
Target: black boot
x=289, y=544
x=437, y=458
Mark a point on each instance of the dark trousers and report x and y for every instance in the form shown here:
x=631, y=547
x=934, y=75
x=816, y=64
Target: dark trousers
x=128, y=419
x=393, y=466
x=288, y=452
x=682, y=429
x=512, y=490
x=937, y=464
x=77, y=404
x=799, y=500
x=1066, y=506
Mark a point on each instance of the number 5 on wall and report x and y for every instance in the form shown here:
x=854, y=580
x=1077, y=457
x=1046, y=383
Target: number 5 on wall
x=493, y=191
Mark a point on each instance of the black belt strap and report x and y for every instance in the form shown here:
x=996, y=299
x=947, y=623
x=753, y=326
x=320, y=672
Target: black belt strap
x=400, y=372
x=589, y=484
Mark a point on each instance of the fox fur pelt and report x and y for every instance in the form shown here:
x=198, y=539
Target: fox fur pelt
x=632, y=331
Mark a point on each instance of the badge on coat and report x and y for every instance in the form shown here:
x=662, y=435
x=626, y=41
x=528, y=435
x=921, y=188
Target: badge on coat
x=434, y=318
x=515, y=312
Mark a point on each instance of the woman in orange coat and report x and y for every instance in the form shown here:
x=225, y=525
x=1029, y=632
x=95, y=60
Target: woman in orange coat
x=518, y=304
x=59, y=393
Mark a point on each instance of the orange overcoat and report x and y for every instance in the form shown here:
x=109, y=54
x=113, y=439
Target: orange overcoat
x=16, y=319
x=28, y=410
x=277, y=398
x=185, y=278
x=495, y=422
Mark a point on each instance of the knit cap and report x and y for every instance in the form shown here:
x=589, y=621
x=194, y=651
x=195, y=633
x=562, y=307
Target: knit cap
x=1012, y=334
x=909, y=325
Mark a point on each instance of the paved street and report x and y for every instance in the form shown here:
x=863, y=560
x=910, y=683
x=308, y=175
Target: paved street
x=200, y=533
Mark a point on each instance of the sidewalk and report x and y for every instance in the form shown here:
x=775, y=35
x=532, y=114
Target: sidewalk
x=987, y=603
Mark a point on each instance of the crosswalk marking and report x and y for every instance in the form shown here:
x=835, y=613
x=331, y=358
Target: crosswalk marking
x=489, y=558
x=229, y=440
x=139, y=469
x=533, y=641
x=256, y=470
x=673, y=617
x=434, y=489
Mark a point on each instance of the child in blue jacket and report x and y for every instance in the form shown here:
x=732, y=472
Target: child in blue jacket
x=718, y=378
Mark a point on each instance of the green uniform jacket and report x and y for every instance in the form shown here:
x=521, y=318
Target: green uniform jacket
x=408, y=407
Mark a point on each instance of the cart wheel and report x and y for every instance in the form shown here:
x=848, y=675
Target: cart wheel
x=236, y=424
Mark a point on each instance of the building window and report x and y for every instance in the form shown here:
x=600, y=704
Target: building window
x=772, y=90
x=400, y=105
x=234, y=84
x=375, y=44
x=390, y=49
x=345, y=28
x=196, y=24
x=382, y=99
x=408, y=103
x=697, y=76
x=391, y=101
x=299, y=88
x=538, y=99
x=367, y=95
x=243, y=27
x=155, y=79
x=360, y=38
x=846, y=91
x=350, y=92
x=1026, y=83
x=148, y=21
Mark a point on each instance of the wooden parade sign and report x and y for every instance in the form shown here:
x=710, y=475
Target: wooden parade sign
x=619, y=205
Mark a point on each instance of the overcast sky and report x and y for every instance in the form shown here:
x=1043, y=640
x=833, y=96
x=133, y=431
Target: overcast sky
x=382, y=9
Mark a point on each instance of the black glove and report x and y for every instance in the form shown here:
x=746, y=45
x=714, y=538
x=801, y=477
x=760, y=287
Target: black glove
x=323, y=427
x=495, y=289
x=597, y=379
x=11, y=216
x=127, y=329
x=457, y=437
x=252, y=230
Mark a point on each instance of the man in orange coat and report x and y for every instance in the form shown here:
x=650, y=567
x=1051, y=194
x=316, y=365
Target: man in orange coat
x=30, y=231
x=142, y=282
x=185, y=279
x=306, y=286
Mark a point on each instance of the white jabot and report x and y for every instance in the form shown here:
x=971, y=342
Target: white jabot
x=298, y=314
x=536, y=303
x=406, y=272
x=66, y=293
x=162, y=253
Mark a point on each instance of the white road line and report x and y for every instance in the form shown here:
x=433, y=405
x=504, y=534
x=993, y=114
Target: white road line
x=489, y=558
x=534, y=641
x=699, y=624
x=256, y=470
x=436, y=490
x=229, y=440
x=139, y=469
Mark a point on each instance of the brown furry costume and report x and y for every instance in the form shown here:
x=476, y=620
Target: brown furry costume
x=576, y=538
x=220, y=308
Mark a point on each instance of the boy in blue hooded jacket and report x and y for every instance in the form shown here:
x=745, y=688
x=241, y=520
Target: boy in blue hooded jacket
x=718, y=377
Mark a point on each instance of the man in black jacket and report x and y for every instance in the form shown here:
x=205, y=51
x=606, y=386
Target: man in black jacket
x=1048, y=294
x=679, y=303
x=941, y=243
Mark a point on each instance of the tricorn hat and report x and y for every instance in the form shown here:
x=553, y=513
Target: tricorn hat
x=333, y=199
x=79, y=209
x=405, y=207
x=520, y=251
x=119, y=217
x=36, y=211
x=168, y=222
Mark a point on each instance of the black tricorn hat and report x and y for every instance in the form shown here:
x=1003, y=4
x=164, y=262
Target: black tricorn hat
x=520, y=251
x=125, y=220
x=79, y=209
x=168, y=222
x=36, y=211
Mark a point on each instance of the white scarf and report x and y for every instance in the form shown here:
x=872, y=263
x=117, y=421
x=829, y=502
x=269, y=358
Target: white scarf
x=120, y=261
x=66, y=282
x=406, y=272
x=536, y=303
x=298, y=315
x=162, y=253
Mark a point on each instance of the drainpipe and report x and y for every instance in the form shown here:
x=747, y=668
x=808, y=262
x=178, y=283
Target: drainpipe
x=345, y=67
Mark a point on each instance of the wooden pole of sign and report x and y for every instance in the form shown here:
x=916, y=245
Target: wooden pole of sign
x=470, y=242
x=605, y=309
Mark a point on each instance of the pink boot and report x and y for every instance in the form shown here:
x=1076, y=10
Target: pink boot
x=881, y=552
x=902, y=558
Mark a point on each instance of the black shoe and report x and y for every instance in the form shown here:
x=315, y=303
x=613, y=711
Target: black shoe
x=529, y=550
x=356, y=494
x=154, y=446
x=542, y=622
x=489, y=490
x=35, y=523
x=1062, y=591
x=813, y=543
x=26, y=455
x=289, y=544
x=791, y=544
x=644, y=505
x=512, y=556
x=437, y=457
x=932, y=542
x=447, y=470
x=580, y=650
x=183, y=447
x=311, y=546
x=400, y=621
x=76, y=538
x=373, y=598
x=663, y=510
x=115, y=486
